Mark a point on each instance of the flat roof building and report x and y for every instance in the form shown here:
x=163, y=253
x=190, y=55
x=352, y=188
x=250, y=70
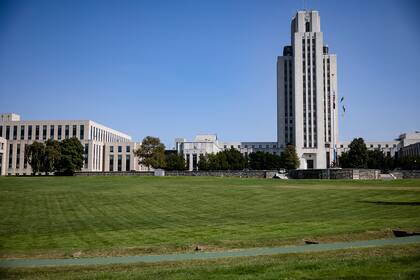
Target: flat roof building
x=98, y=140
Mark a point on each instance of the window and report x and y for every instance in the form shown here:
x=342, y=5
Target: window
x=22, y=132
x=30, y=132
x=307, y=27
x=127, y=163
x=15, y=132
x=51, y=132
x=111, y=163
x=127, y=149
x=59, y=132
x=74, y=130
x=82, y=132
x=17, y=156
x=111, y=149
x=1, y=131
x=8, y=132
x=10, y=155
x=44, y=132
x=37, y=132
x=86, y=154
x=25, y=161
x=119, y=162
x=120, y=149
x=67, y=131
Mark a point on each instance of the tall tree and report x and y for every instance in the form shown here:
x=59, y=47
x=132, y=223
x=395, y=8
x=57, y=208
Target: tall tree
x=52, y=156
x=175, y=162
x=151, y=153
x=203, y=162
x=358, y=154
x=290, y=158
x=35, y=154
x=72, y=153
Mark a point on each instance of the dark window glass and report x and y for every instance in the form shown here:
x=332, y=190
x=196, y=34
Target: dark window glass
x=51, y=132
x=22, y=132
x=127, y=149
x=44, y=132
x=74, y=130
x=15, y=132
x=127, y=163
x=86, y=154
x=119, y=162
x=1, y=131
x=82, y=132
x=111, y=163
x=17, y=156
x=67, y=131
x=119, y=149
x=10, y=155
x=37, y=132
x=8, y=132
x=30, y=132
x=111, y=149
x=25, y=161
x=59, y=132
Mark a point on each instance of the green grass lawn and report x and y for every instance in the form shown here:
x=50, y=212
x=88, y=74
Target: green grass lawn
x=57, y=216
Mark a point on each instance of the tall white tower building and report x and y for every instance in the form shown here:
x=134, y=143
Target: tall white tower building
x=307, y=94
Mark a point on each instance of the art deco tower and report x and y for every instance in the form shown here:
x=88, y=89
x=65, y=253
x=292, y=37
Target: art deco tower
x=307, y=94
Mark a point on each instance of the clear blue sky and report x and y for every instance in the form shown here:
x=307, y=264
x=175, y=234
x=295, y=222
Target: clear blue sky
x=177, y=68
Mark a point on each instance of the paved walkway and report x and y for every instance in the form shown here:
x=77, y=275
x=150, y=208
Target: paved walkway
x=210, y=255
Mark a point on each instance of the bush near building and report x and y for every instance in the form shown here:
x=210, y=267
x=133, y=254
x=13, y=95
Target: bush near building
x=64, y=157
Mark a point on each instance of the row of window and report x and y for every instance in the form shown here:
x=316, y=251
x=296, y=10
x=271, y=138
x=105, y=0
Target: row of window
x=127, y=149
x=119, y=163
x=260, y=146
x=41, y=132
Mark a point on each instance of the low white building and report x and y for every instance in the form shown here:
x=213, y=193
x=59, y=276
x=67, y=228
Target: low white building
x=209, y=144
x=405, y=144
x=96, y=139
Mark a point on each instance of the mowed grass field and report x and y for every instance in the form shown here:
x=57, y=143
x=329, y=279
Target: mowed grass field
x=57, y=216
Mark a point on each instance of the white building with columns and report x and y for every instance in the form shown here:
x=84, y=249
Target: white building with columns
x=106, y=149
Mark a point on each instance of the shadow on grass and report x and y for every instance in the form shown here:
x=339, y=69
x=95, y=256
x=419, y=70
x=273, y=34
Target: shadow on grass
x=411, y=203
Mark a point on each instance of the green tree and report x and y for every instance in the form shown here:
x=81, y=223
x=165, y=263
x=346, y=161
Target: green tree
x=235, y=160
x=343, y=160
x=52, y=156
x=203, y=162
x=151, y=153
x=175, y=162
x=289, y=158
x=72, y=157
x=358, y=154
x=408, y=162
x=34, y=155
x=265, y=161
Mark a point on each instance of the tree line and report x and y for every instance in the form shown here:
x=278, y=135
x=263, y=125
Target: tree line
x=151, y=153
x=358, y=156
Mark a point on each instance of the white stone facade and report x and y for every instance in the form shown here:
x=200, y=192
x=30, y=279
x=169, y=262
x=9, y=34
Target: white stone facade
x=95, y=138
x=307, y=94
